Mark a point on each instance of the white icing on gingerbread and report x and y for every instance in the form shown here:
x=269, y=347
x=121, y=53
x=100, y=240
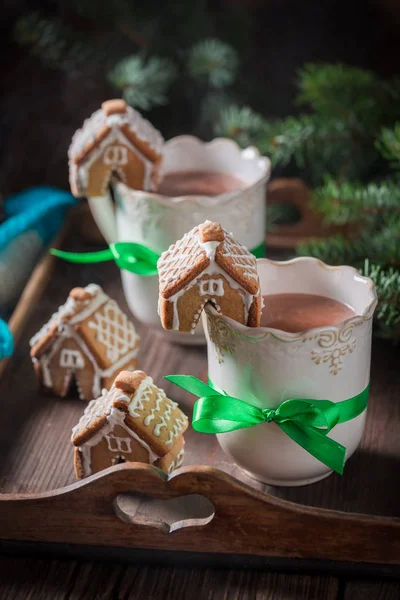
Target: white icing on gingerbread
x=177, y=427
x=191, y=253
x=211, y=270
x=115, y=333
x=144, y=394
x=116, y=156
x=209, y=248
x=117, y=337
x=72, y=359
x=141, y=396
x=177, y=462
x=116, y=407
x=165, y=417
x=107, y=136
x=81, y=174
x=118, y=444
x=160, y=397
x=131, y=117
x=179, y=458
x=211, y=287
x=116, y=417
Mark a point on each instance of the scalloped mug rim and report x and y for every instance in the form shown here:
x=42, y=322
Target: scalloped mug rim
x=285, y=336
x=204, y=200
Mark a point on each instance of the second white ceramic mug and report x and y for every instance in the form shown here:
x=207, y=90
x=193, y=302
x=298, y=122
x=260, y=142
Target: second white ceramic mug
x=158, y=221
x=266, y=366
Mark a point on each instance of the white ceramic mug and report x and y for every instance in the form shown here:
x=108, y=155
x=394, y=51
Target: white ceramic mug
x=158, y=221
x=266, y=366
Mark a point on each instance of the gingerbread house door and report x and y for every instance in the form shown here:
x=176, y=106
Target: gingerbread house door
x=71, y=361
x=123, y=163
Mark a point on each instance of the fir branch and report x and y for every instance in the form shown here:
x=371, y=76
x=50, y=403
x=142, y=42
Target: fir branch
x=389, y=145
x=213, y=103
x=214, y=62
x=349, y=202
x=335, y=250
x=352, y=94
x=383, y=240
x=58, y=45
x=387, y=283
x=382, y=247
x=316, y=144
x=144, y=84
x=350, y=107
x=239, y=123
x=294, y=138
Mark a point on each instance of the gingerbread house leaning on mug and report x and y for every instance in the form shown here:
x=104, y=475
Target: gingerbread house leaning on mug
x=116, y=141
x=208, y=266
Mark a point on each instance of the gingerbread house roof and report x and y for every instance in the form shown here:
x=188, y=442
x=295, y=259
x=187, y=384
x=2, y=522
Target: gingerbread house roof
x=115, y=116
x=190, y=256
x=97, y=320
x=156, y=419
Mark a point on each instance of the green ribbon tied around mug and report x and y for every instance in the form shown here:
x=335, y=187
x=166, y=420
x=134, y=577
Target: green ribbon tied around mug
x=307, y=422
x=130, y=256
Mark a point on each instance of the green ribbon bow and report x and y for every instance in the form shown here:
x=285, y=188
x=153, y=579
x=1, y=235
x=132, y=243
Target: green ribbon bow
x=307, y=422
x=127, y=255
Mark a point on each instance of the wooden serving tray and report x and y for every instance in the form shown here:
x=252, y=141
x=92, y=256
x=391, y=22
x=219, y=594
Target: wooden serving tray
x=207, y=512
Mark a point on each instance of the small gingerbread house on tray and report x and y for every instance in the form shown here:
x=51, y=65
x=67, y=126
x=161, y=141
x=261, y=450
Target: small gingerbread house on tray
x=88, y=340
x=134, y=421
x=116, y=141
x=207, y=266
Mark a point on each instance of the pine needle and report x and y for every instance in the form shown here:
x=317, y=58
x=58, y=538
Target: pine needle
x=213, y=61
x=144, y=84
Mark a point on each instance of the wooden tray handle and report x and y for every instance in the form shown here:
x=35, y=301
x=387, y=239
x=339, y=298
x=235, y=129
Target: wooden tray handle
x=245, y=521
x=294, y=191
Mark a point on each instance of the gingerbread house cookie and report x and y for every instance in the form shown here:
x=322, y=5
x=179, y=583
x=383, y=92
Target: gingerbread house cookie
x=134, y=421
x=207, y=266
x=88, y=340
x=116, y=141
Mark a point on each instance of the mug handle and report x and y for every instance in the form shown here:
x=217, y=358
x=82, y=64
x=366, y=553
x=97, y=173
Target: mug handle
x=103, y=212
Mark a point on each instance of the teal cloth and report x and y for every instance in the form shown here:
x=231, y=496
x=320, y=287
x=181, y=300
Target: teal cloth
x=6, y=340
x=41, y=209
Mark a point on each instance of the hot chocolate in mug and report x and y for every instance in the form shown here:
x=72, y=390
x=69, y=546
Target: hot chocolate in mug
x=157, y=221
x=264, y=367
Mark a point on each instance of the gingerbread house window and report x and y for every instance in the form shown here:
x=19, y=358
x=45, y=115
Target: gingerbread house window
x=118, y=444
x=71, y=359
x=117, y=156
x=211, y=287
